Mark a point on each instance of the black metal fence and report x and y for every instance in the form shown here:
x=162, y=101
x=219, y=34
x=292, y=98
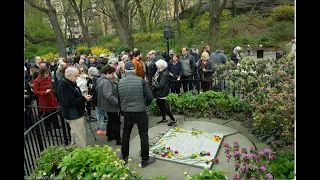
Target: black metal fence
x=219, y=85
x=44, y=127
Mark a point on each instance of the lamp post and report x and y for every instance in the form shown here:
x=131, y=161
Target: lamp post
x=167, y=33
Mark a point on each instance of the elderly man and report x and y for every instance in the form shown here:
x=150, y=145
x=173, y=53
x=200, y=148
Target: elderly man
x=73, y=105
x=188, y=67
x=135, y=95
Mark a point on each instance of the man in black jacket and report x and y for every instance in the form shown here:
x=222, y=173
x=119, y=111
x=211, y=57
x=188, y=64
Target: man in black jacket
x=135, y=95
x=73, y=105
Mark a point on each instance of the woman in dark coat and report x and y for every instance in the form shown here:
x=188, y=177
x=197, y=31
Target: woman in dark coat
x=161, y=88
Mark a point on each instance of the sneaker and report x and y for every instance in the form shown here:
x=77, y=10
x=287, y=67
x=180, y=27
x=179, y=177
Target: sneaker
x=147, y=162
x=100, y=132
x=173, y=123
x=162, y=121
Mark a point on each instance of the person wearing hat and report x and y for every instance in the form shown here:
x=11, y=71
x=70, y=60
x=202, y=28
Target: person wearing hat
x=134, y=97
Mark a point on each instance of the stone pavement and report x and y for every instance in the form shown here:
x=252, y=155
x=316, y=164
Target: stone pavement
x=231, y=129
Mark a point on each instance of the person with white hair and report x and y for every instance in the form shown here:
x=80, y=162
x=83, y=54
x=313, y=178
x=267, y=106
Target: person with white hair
x=161, y=89
x=73, y=106
x=235, y=55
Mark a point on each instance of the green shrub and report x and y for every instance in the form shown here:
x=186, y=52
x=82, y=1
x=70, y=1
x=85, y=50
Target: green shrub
x=107, y=38
x=206, y=174
x=47, y=50
x=281, y=31
x=282, y=13
x=94, y=162
x=49, y=160
x=87, y=52
x=282, y=167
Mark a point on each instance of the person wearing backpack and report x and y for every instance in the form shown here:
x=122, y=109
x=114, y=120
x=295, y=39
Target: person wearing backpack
x=101, y=115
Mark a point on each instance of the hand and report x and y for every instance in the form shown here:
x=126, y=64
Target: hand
x=204, y=69
x=52, y=80
x=171, y=74
x=48, y=90
x=178, y=78
x=88, y=97
x=26, y=96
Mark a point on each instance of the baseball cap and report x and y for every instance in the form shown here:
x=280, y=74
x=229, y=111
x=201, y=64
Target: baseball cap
x=194, y=47
x=171, y=51
x=129, y=66
x=102, y=55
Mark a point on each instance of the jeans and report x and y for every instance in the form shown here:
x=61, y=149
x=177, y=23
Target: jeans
x=113, y=125
x=102, y=118
x=142, y=120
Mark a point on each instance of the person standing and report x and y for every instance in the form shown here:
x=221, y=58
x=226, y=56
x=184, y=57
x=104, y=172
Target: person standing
x=137, y=61
x=73, y=106
x=108, y=101
x=43, y=89
x=161, y=87
x=175, y=69
x=135, y=95
x=205, y=71
x=188, y=66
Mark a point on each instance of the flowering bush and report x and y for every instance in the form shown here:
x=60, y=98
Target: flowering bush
x=206, y=174
x=81, y=49
x=49, y=160
x=100, y=50
x=95, y=162
x=249, y=166
x=49, y=56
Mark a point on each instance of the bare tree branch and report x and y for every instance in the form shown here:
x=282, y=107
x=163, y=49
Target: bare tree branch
x=37, y=41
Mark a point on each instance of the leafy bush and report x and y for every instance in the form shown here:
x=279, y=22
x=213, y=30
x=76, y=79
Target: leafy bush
x=206, y=174
x=281, y=31
x=97, y=50
x=147, y=37
x=81, y=49
x=49, y=161
x=49, y=56
x=107, y=38
x=87, y=52
x=282, y=13
x=47, y=50
x=282, y=167
x=94, y=162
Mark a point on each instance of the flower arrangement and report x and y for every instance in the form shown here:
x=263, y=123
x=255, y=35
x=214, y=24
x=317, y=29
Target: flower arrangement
x=249, y=166
x=206, y=174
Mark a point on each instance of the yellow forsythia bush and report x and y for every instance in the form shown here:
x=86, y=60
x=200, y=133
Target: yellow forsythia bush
x=81, y=49
x=97, y=50
x=49, y=56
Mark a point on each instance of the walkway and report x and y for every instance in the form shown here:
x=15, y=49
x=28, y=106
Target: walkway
x=231, y=129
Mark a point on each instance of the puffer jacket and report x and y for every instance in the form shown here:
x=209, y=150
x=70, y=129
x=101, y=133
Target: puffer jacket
x=161, y=88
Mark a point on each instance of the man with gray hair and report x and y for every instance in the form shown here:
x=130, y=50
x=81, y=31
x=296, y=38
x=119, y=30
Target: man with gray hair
x=135, y=95
x=73, y=106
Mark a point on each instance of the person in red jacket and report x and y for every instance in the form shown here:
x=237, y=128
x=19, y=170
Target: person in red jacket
x=43, y=89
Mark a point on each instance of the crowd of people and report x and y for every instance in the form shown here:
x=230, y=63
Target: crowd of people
x=119, y=85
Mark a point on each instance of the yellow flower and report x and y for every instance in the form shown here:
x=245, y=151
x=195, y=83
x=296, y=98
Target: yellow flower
x=202, y=159
x=186, y=131
x=175, y=133
x=163, y=142
x=217, y=139
x=208, y=160
x=177, y=128
x=211, y=137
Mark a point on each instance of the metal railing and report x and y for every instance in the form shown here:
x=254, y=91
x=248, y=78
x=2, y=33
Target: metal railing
x=46, y=127
x=219, y=85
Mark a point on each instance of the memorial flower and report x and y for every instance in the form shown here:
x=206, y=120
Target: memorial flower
x=217, y=138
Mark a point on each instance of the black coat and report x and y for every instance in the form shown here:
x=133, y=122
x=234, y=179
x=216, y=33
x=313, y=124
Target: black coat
x=161, y=88
x=71, y=99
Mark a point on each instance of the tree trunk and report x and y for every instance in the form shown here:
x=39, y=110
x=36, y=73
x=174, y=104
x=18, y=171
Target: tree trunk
x=181, y=5
x=254, y=5
x=194, y=15
x=150, y=16
x=54, y=22
x=176, y=12
x=142, y=16
x=79, y=13
x=233, y=7
x=214, y=21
